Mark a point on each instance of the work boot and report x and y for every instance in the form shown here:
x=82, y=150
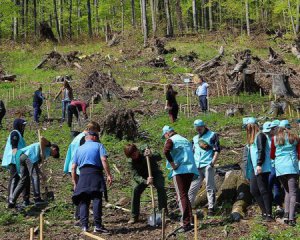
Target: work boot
x=101, y=230
x=11, y=205
x=286, y=218
x=39, y=201
x=210, y=212
x=133, y=220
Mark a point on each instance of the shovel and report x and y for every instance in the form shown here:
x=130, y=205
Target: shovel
x=154, y=219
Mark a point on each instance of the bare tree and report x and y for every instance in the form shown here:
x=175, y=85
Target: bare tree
x=70, y=18
x=78, y=17
x=179, y=16
x=88, y=4
x=144, y=21
x=297, y=17
x=61, y=19
x=292, y=18
x=210, y=15
x=247, y=17
x=56, y=18
x=170, y=32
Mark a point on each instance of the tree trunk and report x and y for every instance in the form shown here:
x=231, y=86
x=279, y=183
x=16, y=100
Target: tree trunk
x=56, y=18
x=247, y=17
x=153, y=15
x=204, y=14
x=298, y=17
x=78, y=17
x=169, y=20
x=70, y=19
x=210, y=16
x=35, y=17
x=61, y=22
x=179, y=16
x=292, y=19
x=123, y=13
x=97, y=19
x=133, y=23
x=144, y=21
x=88, y=3
x=195, y=22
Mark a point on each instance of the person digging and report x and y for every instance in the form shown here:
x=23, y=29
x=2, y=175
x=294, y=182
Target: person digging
x=141, y=180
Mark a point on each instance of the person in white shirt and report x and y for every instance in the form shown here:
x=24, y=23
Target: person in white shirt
x=201, y=92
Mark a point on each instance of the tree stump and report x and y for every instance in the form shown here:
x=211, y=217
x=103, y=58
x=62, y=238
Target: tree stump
x=281, y=86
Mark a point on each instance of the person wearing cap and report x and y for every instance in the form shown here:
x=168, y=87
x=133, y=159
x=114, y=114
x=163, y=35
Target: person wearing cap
x=27, y=164
x=75, y=144
x=180, y=160
x=15, y=141
x=141, y=179
x=38, y=99
x=258, y=168
x=91, y=159
x=201, y=92
x=270, y=128
x=74, y=108
x=285, y=151
x=206, y=148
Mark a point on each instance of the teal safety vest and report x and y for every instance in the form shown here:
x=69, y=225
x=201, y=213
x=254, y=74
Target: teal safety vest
x=203, y=157
x=33, y=152
x=8, y=157
x=286, y=160
x=266, y=167
x=71, y=152
x=183, y=156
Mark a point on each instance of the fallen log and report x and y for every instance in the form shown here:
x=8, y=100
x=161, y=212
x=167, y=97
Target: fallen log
x=8, y=77
x=274, y=57
x=211, y=63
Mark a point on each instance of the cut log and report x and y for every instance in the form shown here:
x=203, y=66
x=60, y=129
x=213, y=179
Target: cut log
x=274, y=57
x=114, y=41
x=243, y=59
x=211, y=63
x=8, y=77
x=281, y=86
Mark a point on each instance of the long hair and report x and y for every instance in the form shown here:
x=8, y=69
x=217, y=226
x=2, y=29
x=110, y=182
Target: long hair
x=252, y=130
x=281, y=135
x=67, y=85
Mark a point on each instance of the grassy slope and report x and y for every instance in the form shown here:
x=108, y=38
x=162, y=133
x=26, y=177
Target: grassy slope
x=22, y=60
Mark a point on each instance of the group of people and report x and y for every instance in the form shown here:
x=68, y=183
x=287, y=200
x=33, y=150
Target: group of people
x=272, y=157
x=201, y=92
x=69, y=104
x=23, y=164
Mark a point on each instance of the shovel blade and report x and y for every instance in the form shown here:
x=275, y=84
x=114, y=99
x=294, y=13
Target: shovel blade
x=154, y=220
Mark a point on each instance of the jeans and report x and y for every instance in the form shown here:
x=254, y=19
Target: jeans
x=27, y=170
x=203, y=103
x=65, y=104
x=97, y=211
x=274, y=186
x=138, y=189
x=208, y=173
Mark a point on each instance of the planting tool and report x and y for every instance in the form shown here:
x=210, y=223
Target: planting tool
x=154, y=219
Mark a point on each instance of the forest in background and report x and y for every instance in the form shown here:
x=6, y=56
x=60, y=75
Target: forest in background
x=21, y=20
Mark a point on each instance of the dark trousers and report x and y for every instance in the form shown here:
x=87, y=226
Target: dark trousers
x=275, y=188
x=182, y=184
x=28, y=171
x=2, y=114
x=37, y=113
x=97, y=210
x=13, y=182
x=260, y=191
x=138, y=189
x=173, y=112
x=290, y=186
x=203, y=103
x=72, y=110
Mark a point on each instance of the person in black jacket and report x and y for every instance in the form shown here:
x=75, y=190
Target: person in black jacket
x=38, y=99
x=2, y=112
x=171, y=103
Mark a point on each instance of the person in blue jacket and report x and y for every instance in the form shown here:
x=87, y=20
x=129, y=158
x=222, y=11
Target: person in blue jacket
x=15, y=141
x=259, y=167
x=285, y=151
x=180, y=161
x=27, y=164
x=38, y=99
x=206, y=148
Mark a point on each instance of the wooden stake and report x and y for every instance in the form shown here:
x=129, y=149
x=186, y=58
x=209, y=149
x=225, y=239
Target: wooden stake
x=207, y=97
x=270, y=95
x=290, y=111
x=13, y=93
x=48, y=109
x=263, y=108
x=218, y=90
x=9, y=94
x=196, y=226
x=227, y=91
x=252, y=108
x=41, y=226
x=31, y=234
x=260, y=92
x=92, y=236
x=163, y=225
x=297, y=113
x=180, y=106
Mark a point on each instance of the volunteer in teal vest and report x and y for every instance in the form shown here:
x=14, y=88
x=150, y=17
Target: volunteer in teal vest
x=180, y=161
x=285, y=150
x=28, y=159
x=14, y=142
x=206, y=148
x=259, y=168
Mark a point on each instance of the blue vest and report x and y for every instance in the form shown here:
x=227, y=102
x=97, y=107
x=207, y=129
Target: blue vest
x=203, y=157
x=33, y=152
x=8, y=157
x=286, y=160
x=71, y=152
x=182, y=155
x=266, y=167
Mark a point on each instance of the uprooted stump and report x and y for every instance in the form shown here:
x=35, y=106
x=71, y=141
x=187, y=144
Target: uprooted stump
x=46, y=32
x=281, y=86
x=121, y=123
x=158, y=62
x=211, y=63
x=159, y=47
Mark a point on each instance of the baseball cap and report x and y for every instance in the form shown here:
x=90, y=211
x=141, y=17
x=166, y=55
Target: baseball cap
x=285, y=124
x=165, y=130
x=198, y=123
x=267, y=127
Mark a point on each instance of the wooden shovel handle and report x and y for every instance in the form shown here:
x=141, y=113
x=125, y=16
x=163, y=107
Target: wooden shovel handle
x=150, y=175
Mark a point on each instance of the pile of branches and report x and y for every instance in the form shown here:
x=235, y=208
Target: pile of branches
x=158, y=45
x=6, y=77
x=158, y=62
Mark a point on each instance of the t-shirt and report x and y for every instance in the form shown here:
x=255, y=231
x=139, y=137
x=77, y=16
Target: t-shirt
x=81, y=105
x=90, y=153
x=33, y=152
x=202, y=89
x=66, y=94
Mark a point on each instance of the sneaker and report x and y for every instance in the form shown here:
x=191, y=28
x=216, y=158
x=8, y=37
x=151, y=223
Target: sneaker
x=133, y=220
x=269, y=218
x=101, y=230
x=84, y=229
x=39, y=202
x=292, y=223
x=286, y=218
x=210, y=212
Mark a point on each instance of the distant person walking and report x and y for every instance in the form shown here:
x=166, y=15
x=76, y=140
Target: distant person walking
x=67, y=96
x=285, y=151
x=171, y=103
x=38, y=99
x=201, y=92
x=2, y=112
x=74, y=108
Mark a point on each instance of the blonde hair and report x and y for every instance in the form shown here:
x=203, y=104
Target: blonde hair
x=93, y=127
x=281, y=135
x=252, y=130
